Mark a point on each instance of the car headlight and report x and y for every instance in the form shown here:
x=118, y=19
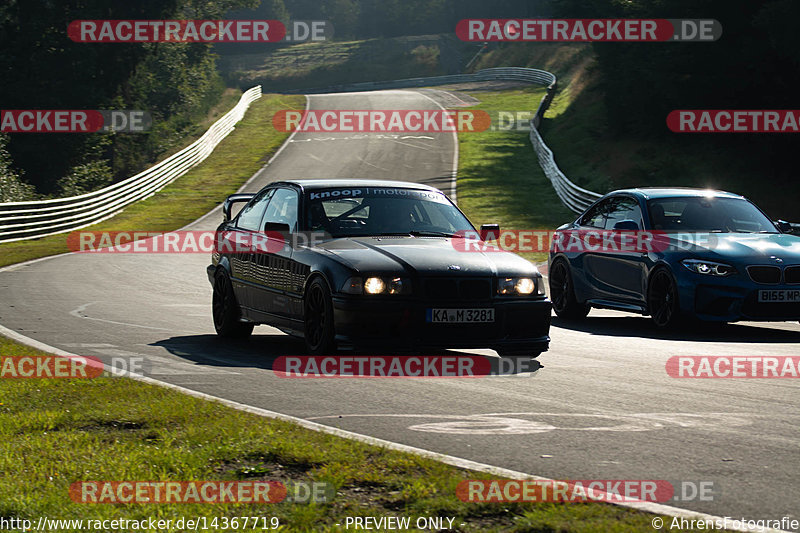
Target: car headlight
x=708, y=268
x=520, y=286
x=376, y=285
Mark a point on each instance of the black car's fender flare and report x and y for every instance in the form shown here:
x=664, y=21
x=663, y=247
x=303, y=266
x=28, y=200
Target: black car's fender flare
x=225, y=263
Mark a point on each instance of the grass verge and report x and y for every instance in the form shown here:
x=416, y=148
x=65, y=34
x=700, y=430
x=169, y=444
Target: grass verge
x=192, y=195
x=499, y=177
x=58, y=431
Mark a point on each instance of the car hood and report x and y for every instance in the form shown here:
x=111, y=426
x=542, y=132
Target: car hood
x=425, y=256
x=742, y=247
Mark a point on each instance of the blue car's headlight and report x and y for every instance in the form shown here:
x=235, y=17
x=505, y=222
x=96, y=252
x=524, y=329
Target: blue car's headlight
x=709, y=268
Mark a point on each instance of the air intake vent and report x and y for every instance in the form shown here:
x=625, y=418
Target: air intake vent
x=792, y=274
x=765, y=274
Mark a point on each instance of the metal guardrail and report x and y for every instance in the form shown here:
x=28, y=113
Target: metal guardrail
x=31, y=220
x=532, y=75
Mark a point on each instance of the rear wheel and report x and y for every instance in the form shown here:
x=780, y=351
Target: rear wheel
x=562, y=293
x=662, y=299
x=225, y=308
x=318, y=307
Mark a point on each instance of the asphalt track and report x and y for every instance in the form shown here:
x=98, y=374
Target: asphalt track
x=603, y=406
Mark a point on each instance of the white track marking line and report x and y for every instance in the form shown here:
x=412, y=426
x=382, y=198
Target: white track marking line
x=81, y=308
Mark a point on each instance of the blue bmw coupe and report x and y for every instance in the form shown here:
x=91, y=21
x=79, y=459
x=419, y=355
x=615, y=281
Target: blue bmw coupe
x=676, y=254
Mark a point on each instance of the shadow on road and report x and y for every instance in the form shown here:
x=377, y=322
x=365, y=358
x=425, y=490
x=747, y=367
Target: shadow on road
x=642, y=327
x=257, y=351
x=261, y=351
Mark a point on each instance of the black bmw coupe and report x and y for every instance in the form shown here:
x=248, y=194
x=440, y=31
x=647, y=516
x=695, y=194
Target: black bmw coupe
x=371, y=264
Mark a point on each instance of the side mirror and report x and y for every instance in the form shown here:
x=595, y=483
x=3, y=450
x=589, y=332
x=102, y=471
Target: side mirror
x=490, y=232
x=234, y=199
x=784, y=226
x=626, y=225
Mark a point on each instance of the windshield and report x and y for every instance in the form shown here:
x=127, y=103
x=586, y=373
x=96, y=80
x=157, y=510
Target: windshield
x=701, y=214
x=375, y=211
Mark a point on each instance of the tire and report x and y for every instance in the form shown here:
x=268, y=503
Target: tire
x=225, y=309
x=318, y=318
x=662, y=299
x=562, y=293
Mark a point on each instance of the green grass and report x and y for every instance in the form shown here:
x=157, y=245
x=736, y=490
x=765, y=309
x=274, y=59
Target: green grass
x=55, y=432
x=499, y=178
x=189, y=197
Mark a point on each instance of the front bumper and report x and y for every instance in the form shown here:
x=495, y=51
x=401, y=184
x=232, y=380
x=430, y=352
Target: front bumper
x=210, y=271
x=520, y=326
x=732, y=299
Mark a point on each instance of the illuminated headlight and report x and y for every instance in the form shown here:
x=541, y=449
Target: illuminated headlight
x=523, y=286
x=709, y=268
x=375, y=285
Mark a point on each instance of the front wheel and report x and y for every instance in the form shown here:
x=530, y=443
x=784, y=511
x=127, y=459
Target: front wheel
x=319, y=330
x=562, y=293
x=662, y=299
x=227, y=316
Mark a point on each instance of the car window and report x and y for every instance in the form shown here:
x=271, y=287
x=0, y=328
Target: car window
x=250, y=216
x=282, y=208
x=596, y=216
x=383, y=210
x=623, y=208
x=701, y=214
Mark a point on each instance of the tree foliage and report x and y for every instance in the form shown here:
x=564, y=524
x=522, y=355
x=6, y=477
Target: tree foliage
x=43, y=69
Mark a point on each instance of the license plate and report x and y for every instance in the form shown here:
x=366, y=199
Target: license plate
x=778, y=295
x=460, y=316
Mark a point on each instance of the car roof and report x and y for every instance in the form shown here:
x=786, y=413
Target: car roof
x=649, y=193
x=313, y=184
